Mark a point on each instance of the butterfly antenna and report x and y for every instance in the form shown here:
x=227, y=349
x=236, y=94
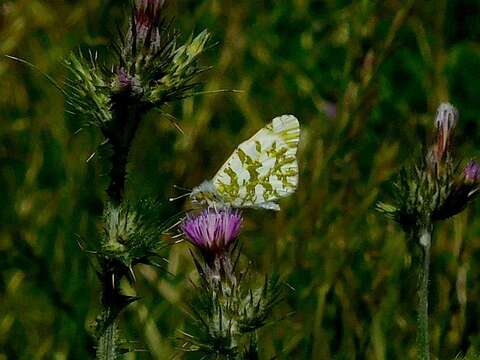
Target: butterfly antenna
x=179, y=197
x=187, y=193
x=182, y=188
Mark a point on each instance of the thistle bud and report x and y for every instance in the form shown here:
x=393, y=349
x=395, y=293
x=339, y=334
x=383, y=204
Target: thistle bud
x=147, y=13
x=144, y=34
x=472, y=172
x=462, y=192
x=445, y=122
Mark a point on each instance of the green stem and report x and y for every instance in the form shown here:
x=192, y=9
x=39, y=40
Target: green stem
x=107, y=342
x=423, y=339
x=253, y=352
x=120, y=133
x=107, y=327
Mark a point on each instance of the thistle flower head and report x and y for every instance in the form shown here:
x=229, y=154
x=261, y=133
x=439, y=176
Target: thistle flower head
x=472, y=172
x=447, y=116
x=145, y=21
x=148, y=11
x=131, y=233
x=153, y=65
x=213, y=230
x=445, y=122
x=431, y=189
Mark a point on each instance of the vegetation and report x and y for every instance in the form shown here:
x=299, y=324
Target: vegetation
x=364, y=78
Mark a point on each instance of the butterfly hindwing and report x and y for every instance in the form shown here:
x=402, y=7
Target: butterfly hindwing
x=263, y=168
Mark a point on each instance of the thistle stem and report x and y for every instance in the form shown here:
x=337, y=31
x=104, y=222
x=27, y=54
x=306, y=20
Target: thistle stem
x=107, y=344
x=120, y=134
x=107, y=329
x=423, y=340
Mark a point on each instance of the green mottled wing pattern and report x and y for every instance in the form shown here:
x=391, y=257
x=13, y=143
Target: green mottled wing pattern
x=263, y=168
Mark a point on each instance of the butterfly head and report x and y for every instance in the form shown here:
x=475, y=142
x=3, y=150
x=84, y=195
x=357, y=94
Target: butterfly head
x=205, y=193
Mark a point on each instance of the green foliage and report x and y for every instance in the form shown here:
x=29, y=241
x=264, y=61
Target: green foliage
x=350, y=267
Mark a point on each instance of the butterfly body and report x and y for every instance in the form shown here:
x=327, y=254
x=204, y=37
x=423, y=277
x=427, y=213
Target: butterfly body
x=260, y=171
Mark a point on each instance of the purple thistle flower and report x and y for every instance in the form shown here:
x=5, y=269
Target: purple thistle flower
x=213, y=230
x=472, y=172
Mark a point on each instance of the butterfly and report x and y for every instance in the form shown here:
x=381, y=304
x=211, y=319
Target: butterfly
x=261, y=170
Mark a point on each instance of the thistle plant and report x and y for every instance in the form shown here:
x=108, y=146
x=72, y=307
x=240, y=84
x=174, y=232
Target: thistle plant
x=432, y=189
x=226, y=311
x=149, y=69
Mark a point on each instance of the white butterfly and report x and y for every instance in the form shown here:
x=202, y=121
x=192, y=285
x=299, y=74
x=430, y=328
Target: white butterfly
x=260, y=171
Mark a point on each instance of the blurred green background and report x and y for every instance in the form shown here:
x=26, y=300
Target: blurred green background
x=363, y=77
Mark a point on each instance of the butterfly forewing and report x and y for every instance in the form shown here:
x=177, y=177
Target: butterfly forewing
x=263, y=168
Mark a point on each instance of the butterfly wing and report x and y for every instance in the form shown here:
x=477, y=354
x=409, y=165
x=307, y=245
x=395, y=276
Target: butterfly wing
x=263, y=168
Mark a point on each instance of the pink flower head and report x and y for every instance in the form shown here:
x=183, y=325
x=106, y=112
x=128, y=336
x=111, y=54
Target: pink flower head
x=472, y=172
x=213, y=230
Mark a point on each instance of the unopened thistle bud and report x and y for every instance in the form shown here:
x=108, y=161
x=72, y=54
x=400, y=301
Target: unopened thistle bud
x=146, y=18
x=445, y=122
x=148, y=10
x=213, y=231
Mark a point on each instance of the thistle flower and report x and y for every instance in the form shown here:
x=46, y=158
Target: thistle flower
x=147, y=12
x=445, y=122
x=146, y=19
x=472, y=172
x=132, y=233
x=226, y=310
x=214, y=230
x=432, y=189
